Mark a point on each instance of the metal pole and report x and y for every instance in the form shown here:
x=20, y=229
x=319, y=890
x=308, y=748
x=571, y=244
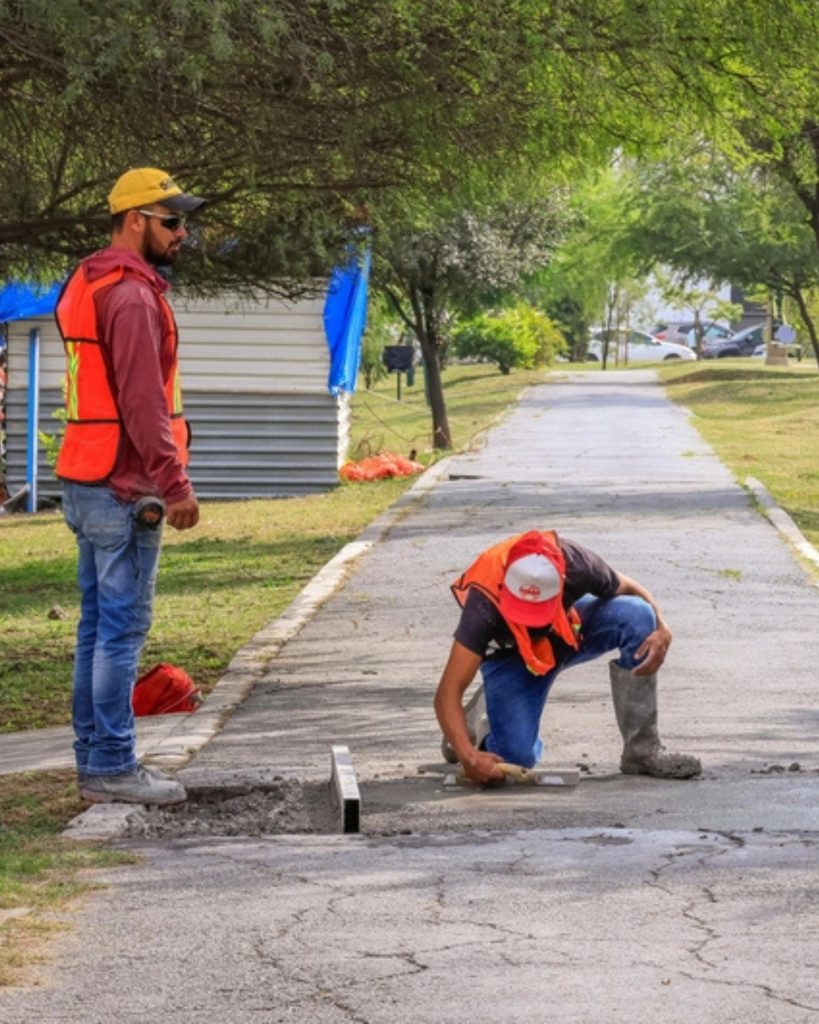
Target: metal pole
x=32, y=445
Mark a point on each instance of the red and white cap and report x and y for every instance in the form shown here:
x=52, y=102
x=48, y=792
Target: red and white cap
x=532, y=585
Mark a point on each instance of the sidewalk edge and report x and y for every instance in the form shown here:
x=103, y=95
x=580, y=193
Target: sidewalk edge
x=779, y=518
x=250, y=662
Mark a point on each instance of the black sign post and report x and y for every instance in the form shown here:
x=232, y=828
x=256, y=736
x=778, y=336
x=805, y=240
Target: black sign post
x=398, y=360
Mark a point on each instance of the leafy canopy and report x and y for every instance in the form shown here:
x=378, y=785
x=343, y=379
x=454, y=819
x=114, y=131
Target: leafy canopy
x=298, y=118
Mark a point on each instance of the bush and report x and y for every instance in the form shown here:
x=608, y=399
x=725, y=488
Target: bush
x=520, y=336
x=382, y=329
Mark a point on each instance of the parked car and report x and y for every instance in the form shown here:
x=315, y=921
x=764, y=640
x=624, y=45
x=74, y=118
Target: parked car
x=743, y=343
x=684, y=333
x=639, y=347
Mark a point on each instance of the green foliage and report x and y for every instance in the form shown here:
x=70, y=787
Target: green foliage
x=298, y=118
x=51, y=442
x=290, y=117
x=518, y=337
x=382, y=329
x=591, y=275
x=249, y=555
x=744, y=226
x=573, y=321
x=452, y=255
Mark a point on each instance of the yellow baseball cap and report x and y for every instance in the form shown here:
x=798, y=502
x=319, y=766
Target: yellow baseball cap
x=142, y=186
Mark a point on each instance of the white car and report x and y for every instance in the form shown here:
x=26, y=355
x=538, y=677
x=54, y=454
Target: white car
x=639, y=347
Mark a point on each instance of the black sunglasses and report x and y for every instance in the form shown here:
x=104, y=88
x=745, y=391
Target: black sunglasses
x=171, y=221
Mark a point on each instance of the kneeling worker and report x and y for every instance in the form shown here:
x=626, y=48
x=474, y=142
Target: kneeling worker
x=532, y=606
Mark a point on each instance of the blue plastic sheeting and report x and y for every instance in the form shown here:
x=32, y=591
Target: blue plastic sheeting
x=20, y=301
x=345, y=317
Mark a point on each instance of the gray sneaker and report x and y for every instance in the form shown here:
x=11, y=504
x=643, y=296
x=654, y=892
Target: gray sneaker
x=477, y=724
x=83, y=777
x=136, y=787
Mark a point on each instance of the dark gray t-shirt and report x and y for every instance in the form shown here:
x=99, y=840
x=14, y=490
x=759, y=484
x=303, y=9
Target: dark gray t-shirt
x=483, y=631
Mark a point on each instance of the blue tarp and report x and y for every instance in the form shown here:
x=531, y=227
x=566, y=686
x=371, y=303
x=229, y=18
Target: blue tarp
x=20, y=301
x=345, y=317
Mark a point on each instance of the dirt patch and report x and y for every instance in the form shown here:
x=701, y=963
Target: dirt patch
x=282, y=806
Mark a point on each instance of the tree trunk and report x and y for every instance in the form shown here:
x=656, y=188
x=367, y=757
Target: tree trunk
x=807, y=320
x=698, y=332
x=607, y=331
x=441, y=437
x=425, y=324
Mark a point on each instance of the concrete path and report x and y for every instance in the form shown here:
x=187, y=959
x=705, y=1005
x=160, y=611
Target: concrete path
x=50, y=749
x=622, y=899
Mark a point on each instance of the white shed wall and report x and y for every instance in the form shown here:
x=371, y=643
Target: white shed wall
x=254, y=379
x=226, y=344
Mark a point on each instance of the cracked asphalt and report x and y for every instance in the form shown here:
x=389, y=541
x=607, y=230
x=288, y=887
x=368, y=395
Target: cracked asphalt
x=621, y=899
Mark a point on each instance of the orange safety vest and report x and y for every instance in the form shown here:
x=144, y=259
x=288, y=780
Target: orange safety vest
x=486, y=574
x=93, y=428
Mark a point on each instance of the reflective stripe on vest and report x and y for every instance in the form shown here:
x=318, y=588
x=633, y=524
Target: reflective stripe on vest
x=486, y=574
x=93, y=429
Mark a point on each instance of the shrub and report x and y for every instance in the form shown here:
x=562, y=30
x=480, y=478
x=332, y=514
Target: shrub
x=520, y=336
x=382, y=329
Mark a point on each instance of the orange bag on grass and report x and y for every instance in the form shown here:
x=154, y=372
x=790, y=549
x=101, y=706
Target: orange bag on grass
x=376, y=467
x=165, y=689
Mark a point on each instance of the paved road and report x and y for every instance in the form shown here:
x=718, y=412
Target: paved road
x=623, y=899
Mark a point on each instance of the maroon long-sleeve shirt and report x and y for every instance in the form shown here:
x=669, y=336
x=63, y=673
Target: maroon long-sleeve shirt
x=130, y=323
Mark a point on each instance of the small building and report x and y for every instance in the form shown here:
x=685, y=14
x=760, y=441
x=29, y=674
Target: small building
x=266, y=387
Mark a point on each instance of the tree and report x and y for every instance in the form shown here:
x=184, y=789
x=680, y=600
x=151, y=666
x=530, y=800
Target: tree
x=382, y=329
x=291, y=115
x=686, y=290
x=453, y=258
x=704, y=218
x=591, y=273
x=287, y=115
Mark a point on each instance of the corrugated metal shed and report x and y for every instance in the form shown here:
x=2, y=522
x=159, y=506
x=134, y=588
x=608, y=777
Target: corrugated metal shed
x=254, y=376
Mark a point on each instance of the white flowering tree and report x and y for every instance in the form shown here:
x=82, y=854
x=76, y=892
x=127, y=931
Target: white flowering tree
x=454, y=262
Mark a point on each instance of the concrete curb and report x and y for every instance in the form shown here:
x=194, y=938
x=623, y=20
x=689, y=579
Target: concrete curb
x=249, y=664
x=783, y=522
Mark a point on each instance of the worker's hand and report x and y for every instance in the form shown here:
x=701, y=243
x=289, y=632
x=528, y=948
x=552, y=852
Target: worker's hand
x=652, y=651
x=182, y=515
x=480, y=766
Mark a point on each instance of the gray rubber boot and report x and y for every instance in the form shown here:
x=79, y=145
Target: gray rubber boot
x=635, y=705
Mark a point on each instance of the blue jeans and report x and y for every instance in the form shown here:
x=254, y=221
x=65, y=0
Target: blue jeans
x=515, y=698
x=116, y=573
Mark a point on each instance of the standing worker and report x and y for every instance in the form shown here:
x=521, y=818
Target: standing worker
x=533, y=605
x=125, y=441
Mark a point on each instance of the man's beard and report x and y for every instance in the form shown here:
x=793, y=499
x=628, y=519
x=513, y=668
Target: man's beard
x=157, y=257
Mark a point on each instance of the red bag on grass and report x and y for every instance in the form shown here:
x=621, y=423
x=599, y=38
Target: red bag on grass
x=165, y=689
x=376, y=467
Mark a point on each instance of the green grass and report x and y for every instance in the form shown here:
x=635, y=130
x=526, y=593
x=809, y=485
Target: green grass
x=246, y=561
x=218, y=584
x=39, y=872
x=763, y=421
x=475, y=394
x=243, y=564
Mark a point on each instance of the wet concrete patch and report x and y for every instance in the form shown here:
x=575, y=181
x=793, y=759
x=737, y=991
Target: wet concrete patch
x=263, y=803
x=300, y=800
x=236, y=806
